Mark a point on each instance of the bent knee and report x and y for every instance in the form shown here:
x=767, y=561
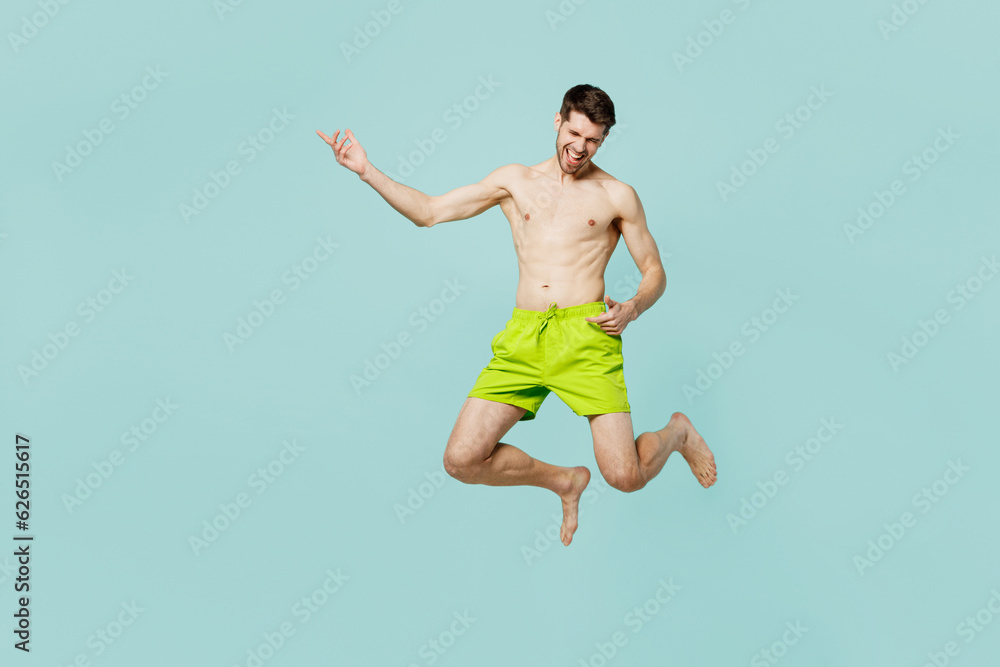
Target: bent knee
x=626, y=481
x=461, y=464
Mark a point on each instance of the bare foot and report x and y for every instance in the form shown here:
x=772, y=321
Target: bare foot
x=694, y=450
x=578, y=480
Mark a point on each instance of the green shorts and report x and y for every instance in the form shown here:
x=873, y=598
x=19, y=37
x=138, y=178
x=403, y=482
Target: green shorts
x=555, y=350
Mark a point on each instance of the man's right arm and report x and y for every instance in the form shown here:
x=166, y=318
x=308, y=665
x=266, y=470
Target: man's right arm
x=421, y=209
x=426, y=210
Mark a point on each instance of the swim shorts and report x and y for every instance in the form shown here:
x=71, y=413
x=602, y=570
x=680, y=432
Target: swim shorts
x=555, y=350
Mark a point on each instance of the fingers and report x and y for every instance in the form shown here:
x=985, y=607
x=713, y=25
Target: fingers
x=342, y=147
x=330, y=140
x=349, y=140
x=609, y=321
x=609, y=324
x=613, y=326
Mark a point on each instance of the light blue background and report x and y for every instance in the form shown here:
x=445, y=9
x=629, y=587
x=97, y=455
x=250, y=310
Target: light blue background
x=467, y=548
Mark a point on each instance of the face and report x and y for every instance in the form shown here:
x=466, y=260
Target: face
x=577, y=141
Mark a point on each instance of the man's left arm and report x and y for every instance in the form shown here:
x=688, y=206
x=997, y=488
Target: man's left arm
x=642, y=247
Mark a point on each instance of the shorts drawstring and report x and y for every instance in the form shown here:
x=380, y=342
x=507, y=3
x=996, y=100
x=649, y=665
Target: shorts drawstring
x=546, y=316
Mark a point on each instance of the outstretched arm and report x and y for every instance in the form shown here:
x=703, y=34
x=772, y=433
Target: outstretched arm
x=422, y=209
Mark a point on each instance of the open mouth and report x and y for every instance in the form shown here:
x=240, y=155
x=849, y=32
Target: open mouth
x=573, y=158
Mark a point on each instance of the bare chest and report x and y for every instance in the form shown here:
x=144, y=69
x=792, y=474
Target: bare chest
x=544, y=208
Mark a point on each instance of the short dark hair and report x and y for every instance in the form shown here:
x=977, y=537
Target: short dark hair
x=592, y=102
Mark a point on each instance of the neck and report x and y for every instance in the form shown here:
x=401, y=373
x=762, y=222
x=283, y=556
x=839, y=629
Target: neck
x=561, y=176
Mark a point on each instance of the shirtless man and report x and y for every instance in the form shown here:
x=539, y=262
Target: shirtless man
x=566, y=215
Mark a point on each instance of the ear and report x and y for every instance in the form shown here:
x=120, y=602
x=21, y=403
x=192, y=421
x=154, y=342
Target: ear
x=557, y=121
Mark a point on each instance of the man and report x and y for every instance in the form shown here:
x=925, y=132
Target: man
x=566, y=215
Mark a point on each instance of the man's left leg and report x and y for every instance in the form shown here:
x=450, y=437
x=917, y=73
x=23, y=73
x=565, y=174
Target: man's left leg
x=628, y=463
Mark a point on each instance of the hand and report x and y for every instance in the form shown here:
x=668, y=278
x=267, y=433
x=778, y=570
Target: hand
x=348, y=153
x=617, y=318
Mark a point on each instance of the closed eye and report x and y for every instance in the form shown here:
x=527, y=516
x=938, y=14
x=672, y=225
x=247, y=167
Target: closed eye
x=576, y=134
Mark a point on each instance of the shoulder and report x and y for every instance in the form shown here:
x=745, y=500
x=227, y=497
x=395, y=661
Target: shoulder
x=622, y=195
x=507, y=175
x=613, y=186
x=514, y=170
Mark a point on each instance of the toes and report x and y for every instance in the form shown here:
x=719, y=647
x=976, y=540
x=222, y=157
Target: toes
x=707, y=477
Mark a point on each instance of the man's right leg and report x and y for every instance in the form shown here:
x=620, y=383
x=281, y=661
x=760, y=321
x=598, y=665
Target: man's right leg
x=475, y=455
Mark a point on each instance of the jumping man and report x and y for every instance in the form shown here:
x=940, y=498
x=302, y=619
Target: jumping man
x=566, y=215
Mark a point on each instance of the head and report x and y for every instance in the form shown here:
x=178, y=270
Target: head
x=584, y=120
